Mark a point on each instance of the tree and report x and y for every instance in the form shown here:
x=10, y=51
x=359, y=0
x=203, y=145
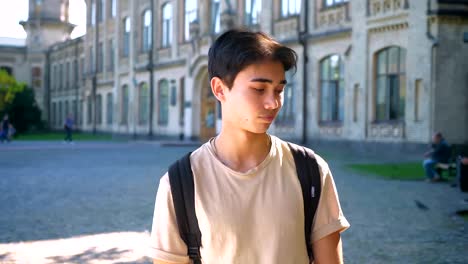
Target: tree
x=19, y=103
x=9, y=87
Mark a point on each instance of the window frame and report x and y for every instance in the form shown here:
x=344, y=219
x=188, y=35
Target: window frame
x=215, y=16
x=109, y=108
x=287, y=115
x=146, y=30
x=293, y=8
x=127, y=27
x=187, y=18
x=166, y=25
x=255, y=6
x=163, y=100
x=143, y=103
x=124, y=105
x=113, y=8
x=335, y=86
x=394, y=109
x=334, y=3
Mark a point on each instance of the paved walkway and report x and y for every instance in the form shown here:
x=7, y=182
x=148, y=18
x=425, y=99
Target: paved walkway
x=92, y=203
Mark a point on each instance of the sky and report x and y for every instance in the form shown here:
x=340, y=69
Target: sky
x=14, y=11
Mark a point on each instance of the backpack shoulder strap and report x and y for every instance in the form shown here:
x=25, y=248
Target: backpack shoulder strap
x=309, y=176
x=183, y=197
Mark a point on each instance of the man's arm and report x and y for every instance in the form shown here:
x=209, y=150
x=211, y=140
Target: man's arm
x=328, y=250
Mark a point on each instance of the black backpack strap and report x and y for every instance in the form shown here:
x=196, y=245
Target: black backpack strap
x=183, y=197
x=309, y=176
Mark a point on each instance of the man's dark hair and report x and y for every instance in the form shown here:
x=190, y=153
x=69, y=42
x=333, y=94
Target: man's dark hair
x=236, y=49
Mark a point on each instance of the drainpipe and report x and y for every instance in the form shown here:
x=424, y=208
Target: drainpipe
x=150, y=71
x=75, y=68
x=94, y=78
x=434, y=44
x=303, y=41
x=47, y=85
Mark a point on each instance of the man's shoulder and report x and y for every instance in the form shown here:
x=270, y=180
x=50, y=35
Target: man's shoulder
x=320, y=161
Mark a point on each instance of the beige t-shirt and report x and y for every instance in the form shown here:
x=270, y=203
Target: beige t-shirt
x=252, y=217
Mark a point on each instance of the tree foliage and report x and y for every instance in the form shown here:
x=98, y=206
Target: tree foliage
x=9, y=87
x=18, y=101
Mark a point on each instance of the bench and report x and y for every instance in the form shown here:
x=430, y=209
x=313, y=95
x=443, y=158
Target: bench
x=449, y=168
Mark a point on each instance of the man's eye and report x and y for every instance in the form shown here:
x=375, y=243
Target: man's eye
x=279, y=91
x=259, y=90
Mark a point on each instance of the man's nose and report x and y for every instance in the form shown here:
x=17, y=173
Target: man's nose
x=272, y=102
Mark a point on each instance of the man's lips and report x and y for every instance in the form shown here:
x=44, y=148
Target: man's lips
x=269, y=118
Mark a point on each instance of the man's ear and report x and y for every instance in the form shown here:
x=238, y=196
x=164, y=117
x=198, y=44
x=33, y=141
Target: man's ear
x=218, y=88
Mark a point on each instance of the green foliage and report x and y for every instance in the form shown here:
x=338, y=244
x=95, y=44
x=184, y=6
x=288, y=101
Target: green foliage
x=19, y=103
x=9, y=87
x=397, y=171
x=24, y=113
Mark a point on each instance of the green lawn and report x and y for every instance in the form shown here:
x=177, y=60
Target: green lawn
x=398, y=171
x=54, y=136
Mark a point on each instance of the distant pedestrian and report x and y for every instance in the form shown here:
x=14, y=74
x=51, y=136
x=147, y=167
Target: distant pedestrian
x=11, y=131
x=68, y=126
x=5, y=134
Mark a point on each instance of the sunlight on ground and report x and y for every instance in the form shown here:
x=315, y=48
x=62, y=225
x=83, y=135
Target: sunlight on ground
x=125, y=247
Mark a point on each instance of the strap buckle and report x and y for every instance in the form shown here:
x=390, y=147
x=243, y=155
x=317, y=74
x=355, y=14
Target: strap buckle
x=194, y=252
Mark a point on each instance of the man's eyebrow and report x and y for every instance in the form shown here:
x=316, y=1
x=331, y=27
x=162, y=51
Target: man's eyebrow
x=266, y=80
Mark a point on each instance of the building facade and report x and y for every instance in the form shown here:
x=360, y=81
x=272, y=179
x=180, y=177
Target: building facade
x=368, y=70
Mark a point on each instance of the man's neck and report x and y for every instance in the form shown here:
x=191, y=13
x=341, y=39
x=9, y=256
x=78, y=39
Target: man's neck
x=242, y=151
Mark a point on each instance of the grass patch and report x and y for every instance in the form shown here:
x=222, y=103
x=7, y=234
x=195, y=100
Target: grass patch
x=57, y=136
x=398, y=171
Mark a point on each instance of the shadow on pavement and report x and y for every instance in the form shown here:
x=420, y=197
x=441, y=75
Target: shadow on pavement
x=90, y=255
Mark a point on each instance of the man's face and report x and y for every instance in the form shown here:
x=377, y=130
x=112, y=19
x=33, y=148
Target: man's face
x=255, y=97
x=435, y=139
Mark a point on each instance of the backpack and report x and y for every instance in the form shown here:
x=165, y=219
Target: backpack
x=183, y=196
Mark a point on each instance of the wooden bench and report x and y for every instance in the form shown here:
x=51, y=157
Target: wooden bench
x=449, y=168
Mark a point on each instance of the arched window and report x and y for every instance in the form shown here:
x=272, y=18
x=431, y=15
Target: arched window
x=99, y=109
x=390, y=81
x=286, y=116
x=163, y=98
x=109, y=110
x=113, y=8
x=215, y=16
x=166, y=25
x=101, y=11
x=190, y=16
x=126, y=36
x=146, y=31
x=90, y=110
x=124, y=104
x=143, y=104
x=93, y=13
x=331, y=89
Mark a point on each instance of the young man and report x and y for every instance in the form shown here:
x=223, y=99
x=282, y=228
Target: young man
x=248, y=198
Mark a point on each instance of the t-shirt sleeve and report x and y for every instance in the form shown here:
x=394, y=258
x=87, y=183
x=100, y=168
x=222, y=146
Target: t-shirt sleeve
x=329, y=217
x=165, y=243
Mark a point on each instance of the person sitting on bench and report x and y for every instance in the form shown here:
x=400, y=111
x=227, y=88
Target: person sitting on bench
x=440, y=153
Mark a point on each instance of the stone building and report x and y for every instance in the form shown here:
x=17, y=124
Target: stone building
x=368, y=70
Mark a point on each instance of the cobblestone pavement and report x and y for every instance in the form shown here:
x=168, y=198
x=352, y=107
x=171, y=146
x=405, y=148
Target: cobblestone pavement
x=91, y=202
